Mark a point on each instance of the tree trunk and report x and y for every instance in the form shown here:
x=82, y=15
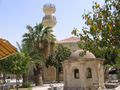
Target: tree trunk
x=38, y=80
x=38, y=75
x=57, y=75
x=25, y=80
x=52, y=45
x=106, y=74
x=4, y=77
x=17, y=83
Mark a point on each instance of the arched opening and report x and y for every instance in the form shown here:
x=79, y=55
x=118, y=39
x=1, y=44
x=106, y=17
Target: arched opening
x=89, y=73
x=76, y=73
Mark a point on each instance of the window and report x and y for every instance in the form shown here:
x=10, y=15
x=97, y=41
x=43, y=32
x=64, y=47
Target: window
x=76, y=73
x=89, y=73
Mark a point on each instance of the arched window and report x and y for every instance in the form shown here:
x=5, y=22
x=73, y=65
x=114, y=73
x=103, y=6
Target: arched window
x=89, y=73
x=76, y=73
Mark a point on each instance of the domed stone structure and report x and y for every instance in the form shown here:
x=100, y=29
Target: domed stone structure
x=82, y=71
x=81, y=54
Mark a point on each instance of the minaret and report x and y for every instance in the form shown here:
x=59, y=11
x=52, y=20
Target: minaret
x=49, y=20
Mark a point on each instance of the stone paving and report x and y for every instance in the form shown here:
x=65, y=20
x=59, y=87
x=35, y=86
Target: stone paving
x=58, y=86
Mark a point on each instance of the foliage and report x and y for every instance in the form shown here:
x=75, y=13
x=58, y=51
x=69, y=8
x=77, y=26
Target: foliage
x=15, y=64
x=23, y=50
x=60, y=54
x=101, y=35
x=37, y=42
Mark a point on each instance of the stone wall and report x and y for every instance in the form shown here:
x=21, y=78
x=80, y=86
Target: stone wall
x=83, y=82
x=49, y=74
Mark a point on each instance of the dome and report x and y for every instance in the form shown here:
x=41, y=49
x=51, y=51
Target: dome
x=49, y=21
x=49, y=9
x=81, y=54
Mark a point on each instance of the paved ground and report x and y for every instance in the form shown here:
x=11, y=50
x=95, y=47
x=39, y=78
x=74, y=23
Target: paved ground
x=59, y=86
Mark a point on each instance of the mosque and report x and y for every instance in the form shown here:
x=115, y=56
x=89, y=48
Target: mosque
x=49, y=20
x=79, y=72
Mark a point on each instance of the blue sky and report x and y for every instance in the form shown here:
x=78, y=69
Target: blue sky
x=16, y=14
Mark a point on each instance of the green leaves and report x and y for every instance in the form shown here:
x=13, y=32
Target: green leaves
x=15, y=64
x=101, y=35
x=61, y=53
x=37, y=40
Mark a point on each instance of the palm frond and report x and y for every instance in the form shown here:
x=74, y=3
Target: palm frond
x=19, y=47
x=29, y=28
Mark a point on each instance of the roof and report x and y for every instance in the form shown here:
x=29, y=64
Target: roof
x=81, y=54
x=6, y=49
x=69, y=40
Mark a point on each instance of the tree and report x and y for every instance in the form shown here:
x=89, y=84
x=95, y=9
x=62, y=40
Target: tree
x=101, y=35
x=60, y=54
x=37, y=41
x=16, y=64
x=23, y=49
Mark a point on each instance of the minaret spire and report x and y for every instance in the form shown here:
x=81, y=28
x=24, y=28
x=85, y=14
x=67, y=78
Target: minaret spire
x=49, y=20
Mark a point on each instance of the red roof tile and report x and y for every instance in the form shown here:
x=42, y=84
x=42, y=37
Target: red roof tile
x=69, y=40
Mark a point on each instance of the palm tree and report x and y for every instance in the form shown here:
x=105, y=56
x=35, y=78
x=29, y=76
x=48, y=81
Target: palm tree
x=38, y=41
